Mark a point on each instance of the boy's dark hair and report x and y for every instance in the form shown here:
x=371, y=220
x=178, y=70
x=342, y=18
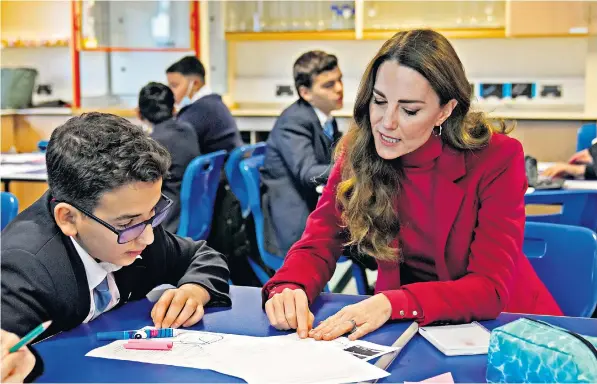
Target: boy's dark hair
x=188, y=65
x=156, y=103
x=97, y=152
x=311, y=64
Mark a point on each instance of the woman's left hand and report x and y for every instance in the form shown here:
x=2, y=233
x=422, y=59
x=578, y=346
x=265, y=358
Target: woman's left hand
x=367, y=315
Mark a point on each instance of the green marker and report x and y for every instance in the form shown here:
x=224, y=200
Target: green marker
x=31, y=336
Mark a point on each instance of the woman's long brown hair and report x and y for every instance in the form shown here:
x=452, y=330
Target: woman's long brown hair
x=370, y=184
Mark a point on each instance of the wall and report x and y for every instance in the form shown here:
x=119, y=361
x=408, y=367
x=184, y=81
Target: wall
x=259, y=66
x=257, y=72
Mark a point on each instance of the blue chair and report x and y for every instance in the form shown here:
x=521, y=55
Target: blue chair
x=42, y=145
x=579, y=207
x=565, y=259
x=249, y=169
x=235, y=179
x=9, y=208
x=198, y=194
x=586, y=134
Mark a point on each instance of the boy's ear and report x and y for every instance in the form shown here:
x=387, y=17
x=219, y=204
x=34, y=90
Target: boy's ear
x=305, y=93
x=66, y=217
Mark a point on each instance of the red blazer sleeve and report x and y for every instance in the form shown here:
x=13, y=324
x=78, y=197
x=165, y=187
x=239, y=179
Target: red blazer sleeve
x=494, y=253
x=311, y=261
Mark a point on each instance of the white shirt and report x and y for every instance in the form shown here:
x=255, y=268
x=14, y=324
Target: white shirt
x=96, y=273
x=323, y=118
x=594, y=141
x=202, y=92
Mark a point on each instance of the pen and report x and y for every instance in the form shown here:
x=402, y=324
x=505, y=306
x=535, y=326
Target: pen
x=140, y=334
x=385, y=361
x=31, y=336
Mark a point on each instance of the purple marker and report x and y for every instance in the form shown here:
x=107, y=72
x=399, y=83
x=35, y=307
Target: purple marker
x=140, y=334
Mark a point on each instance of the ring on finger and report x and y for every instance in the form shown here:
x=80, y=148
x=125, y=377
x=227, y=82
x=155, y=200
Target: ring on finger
x=354, y=326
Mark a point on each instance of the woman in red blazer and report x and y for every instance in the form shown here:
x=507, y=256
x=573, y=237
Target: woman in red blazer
x=427, y=188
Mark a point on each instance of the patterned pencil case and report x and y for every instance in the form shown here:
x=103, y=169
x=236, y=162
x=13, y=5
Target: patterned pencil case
x=533, y=351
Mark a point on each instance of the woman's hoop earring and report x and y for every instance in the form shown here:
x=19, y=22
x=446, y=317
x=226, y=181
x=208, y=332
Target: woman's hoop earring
x=440, y=131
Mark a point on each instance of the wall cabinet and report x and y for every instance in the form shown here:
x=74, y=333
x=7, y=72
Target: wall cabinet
x=549, y=18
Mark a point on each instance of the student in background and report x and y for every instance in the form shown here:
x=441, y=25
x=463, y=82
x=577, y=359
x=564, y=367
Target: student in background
x=20, y=366
x=199, y=106
x=299, y=150
x=428, y=188
x=581, y=164
x=94, y=240
x=216, y=129
x=156, y=109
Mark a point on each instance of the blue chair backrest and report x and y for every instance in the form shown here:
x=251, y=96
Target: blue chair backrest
x=565, y=259
x=42, y=145
x=235, y=179
x=198, y=195
x=9, y=208
x=249, y=169
x=579, y=207
x=586, y=134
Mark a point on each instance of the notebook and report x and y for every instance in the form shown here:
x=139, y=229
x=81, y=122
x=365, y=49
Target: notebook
x=458, y=340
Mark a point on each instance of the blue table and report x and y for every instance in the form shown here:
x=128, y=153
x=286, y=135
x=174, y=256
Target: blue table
x=65, y=361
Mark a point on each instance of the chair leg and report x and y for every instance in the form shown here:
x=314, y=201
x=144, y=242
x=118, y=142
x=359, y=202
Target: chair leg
x=343, y=282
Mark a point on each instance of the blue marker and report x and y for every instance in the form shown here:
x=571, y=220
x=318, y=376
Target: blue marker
x=140, y=334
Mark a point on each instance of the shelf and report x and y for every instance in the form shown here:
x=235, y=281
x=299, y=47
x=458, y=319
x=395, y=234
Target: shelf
x=291, y=35
x=139, y=49
x=368, y=34
x=481, y=33
x=35, y=43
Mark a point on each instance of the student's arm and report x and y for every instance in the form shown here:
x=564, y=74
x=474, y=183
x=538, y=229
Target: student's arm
x=27, y=292
x=295, y=143
x=191, y=118
x=591, y=170
x=188, y=261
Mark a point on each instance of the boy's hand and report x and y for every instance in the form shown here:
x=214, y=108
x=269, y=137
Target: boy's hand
x=180, y=307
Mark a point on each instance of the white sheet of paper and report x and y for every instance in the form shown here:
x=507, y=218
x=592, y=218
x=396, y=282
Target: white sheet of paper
x=581, y=184
x=33, y=171
x=362, y=349
x=253, y=359
x=23, y=158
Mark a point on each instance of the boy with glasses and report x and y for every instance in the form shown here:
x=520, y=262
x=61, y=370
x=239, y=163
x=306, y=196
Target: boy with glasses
x=94, y=240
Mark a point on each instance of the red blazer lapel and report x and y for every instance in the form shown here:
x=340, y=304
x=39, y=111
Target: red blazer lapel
x=449, y=195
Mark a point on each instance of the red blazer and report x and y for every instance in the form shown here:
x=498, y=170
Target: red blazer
x=480, y=220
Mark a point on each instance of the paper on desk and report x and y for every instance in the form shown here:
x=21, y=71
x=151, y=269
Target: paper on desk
x=23, y=158
x=12, y=170
x=253, y=359
x=359, y=348
x=445, y=378
x=581, y=184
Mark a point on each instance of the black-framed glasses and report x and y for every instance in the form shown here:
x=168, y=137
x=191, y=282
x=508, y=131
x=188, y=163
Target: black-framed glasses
x=131, y=233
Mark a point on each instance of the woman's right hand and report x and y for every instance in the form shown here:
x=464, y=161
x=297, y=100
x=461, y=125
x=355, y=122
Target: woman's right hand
x=290, y=310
